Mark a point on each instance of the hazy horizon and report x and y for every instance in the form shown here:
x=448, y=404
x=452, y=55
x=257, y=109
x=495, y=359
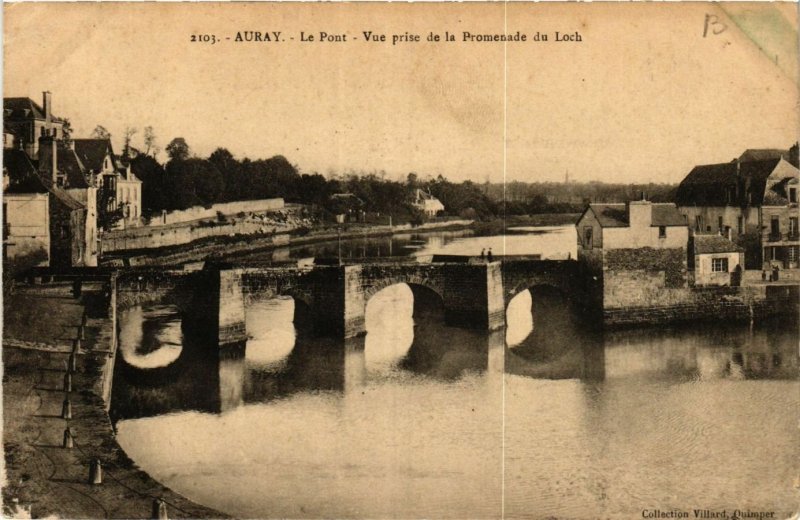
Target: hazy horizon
x=643, y=98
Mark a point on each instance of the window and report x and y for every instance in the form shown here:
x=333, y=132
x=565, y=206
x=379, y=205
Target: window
x=719, y=225
x=719, y=265
x=662, y=231
x=792, y=194
x=793, y=253
x=793, y=226
x=587, y=237
x=775, y=226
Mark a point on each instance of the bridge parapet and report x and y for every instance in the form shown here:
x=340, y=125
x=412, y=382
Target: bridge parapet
x=519, y=275
x=473, y=294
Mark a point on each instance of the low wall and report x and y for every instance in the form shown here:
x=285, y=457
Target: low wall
x=150, y=238
x=227, y=208
x=698, y=304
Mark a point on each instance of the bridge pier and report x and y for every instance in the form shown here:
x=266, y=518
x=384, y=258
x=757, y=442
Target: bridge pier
x=473, y=296
x=216, y=312
x=338, y=305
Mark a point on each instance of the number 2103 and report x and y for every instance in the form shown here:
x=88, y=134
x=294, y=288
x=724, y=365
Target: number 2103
x=203, y=38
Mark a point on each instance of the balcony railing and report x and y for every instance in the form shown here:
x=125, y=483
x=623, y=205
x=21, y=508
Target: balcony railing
x=778, y=237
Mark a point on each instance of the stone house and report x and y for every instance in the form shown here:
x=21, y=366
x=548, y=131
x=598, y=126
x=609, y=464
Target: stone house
x=752, y=199
x=716, y=260
x=118, y=187
x=347, y=207
x=60, y=167
x=637, y=250
x=41, y=220
x=427, y=203
x=27, y=121
x=39, y=164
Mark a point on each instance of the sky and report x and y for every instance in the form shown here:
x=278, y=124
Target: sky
x=643, y=97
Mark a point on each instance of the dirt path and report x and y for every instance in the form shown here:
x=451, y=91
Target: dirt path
x=41, y=474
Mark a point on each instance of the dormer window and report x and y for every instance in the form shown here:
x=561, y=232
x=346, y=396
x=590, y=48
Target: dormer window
x=662, y=231
x=793, y=195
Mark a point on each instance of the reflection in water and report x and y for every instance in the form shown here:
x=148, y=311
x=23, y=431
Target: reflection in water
x=555, y=242
x=151, y=343
x=418, y=419
x=519, y=318
x=420, y=430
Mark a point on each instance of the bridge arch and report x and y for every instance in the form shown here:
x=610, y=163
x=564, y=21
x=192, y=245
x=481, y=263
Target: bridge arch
x=412, y=280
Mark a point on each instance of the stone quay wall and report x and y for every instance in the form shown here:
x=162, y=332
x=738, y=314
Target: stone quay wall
x=647, y=286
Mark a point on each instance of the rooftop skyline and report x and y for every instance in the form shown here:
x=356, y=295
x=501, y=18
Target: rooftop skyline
x=643, y=97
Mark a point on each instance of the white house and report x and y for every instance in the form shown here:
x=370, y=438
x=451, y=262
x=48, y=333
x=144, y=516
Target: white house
x=632, y=225
x=118, y=186
x=717, y=260
x=427, y=203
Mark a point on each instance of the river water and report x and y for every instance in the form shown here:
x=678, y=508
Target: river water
x=546, y=419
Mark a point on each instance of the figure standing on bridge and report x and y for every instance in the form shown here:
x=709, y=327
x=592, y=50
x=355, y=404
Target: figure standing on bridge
x=489, y=256
x=483, y=253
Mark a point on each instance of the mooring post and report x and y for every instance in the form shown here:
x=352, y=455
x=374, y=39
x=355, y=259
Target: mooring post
x=66, y=408
x=68, y=441
x=159, y=511
x=95, y=472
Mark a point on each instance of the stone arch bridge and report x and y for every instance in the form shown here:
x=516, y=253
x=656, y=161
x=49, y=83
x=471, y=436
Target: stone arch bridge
x=334, y=298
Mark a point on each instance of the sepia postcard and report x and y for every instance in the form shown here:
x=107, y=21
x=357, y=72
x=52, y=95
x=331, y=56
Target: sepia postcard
x=384, y=260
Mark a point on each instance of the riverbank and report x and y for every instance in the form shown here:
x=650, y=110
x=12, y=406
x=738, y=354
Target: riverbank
x=45, y=478
x=232, y=246
x=227, y=247
x=500, y=226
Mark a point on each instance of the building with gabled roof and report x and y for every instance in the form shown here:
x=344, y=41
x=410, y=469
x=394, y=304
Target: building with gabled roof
x=26, y=120
x=41, y=220
x=637, y=251
x=716, y=260
x=764, y=154
x=41, y=169
x=753, y=200
x=427, y=203
x=633, y=224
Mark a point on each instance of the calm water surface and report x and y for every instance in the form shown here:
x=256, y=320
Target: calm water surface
x=544, y=419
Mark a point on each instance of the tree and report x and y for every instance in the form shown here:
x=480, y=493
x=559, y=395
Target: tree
x=222, y=159
x=193, y=182
x=154, y=192
x=66, y=132
x=150, y=141
x=106, y=216
x=794, y=155
x=100, y=132
x=130, y=131
x=178, y=149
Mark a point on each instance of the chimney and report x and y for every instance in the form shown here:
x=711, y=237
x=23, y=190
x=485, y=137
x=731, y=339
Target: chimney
x=47, y=105
x=48, y=159
x=640, y=213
